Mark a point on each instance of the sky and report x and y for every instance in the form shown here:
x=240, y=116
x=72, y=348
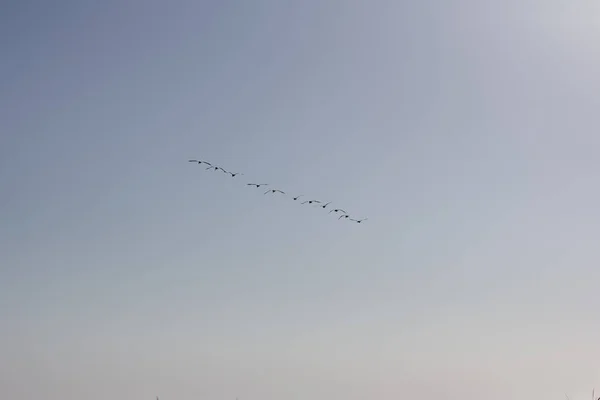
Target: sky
x=466, y=131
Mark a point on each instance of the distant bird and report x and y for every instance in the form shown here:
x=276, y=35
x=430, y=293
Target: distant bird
x=310, y=201
x=297, y=197
x=200, y=162
x=325, y=205
x=344, y=216
x=257, y=184
x=217, y=168
x=274, y=190
x=234, y=174
x=338, y=210
x=358, y=220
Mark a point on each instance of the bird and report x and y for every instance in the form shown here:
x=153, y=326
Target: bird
x=325, y=205
x=358, y=220
x=297, y=197
x=233, y=174
x=217, y=168
x=338, y=210
x=344, y=216
x=310, y=201
x=257, y=184
x=200, y=162
x=274, y=190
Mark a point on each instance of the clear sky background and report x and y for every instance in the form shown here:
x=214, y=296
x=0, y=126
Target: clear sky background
x=467, y=131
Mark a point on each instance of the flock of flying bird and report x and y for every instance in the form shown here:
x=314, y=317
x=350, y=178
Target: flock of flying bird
x=342, y=213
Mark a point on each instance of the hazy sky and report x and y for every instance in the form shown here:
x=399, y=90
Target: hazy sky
x=467, y=131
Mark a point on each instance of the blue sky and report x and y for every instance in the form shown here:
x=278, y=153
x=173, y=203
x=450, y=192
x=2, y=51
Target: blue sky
x=466, y=131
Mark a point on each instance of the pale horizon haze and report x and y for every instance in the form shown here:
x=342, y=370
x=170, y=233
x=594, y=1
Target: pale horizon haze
x=466, y=131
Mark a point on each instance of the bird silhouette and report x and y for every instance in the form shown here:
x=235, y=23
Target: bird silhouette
x=358, y=220
x=200, y=162
x=217, y=168
x=257, y=184
x=297, y=197
x=234, y=174
x=310, y=201
x=344, y=216
x=274, y=190
x=325, y=205
x=338, y=210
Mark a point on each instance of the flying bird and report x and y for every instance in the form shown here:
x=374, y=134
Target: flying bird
x=274, y=190
x=325, y=205
x=200, y=162
x=310, y=201
x=233, y=174
x=297, y=197
x=338, y=210
x=358, y=220
x=344, y=216
x=217, y=168
x=257, y=184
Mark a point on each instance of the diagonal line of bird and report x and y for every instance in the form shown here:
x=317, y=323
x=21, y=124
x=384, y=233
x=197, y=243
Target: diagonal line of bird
x=342, y=214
